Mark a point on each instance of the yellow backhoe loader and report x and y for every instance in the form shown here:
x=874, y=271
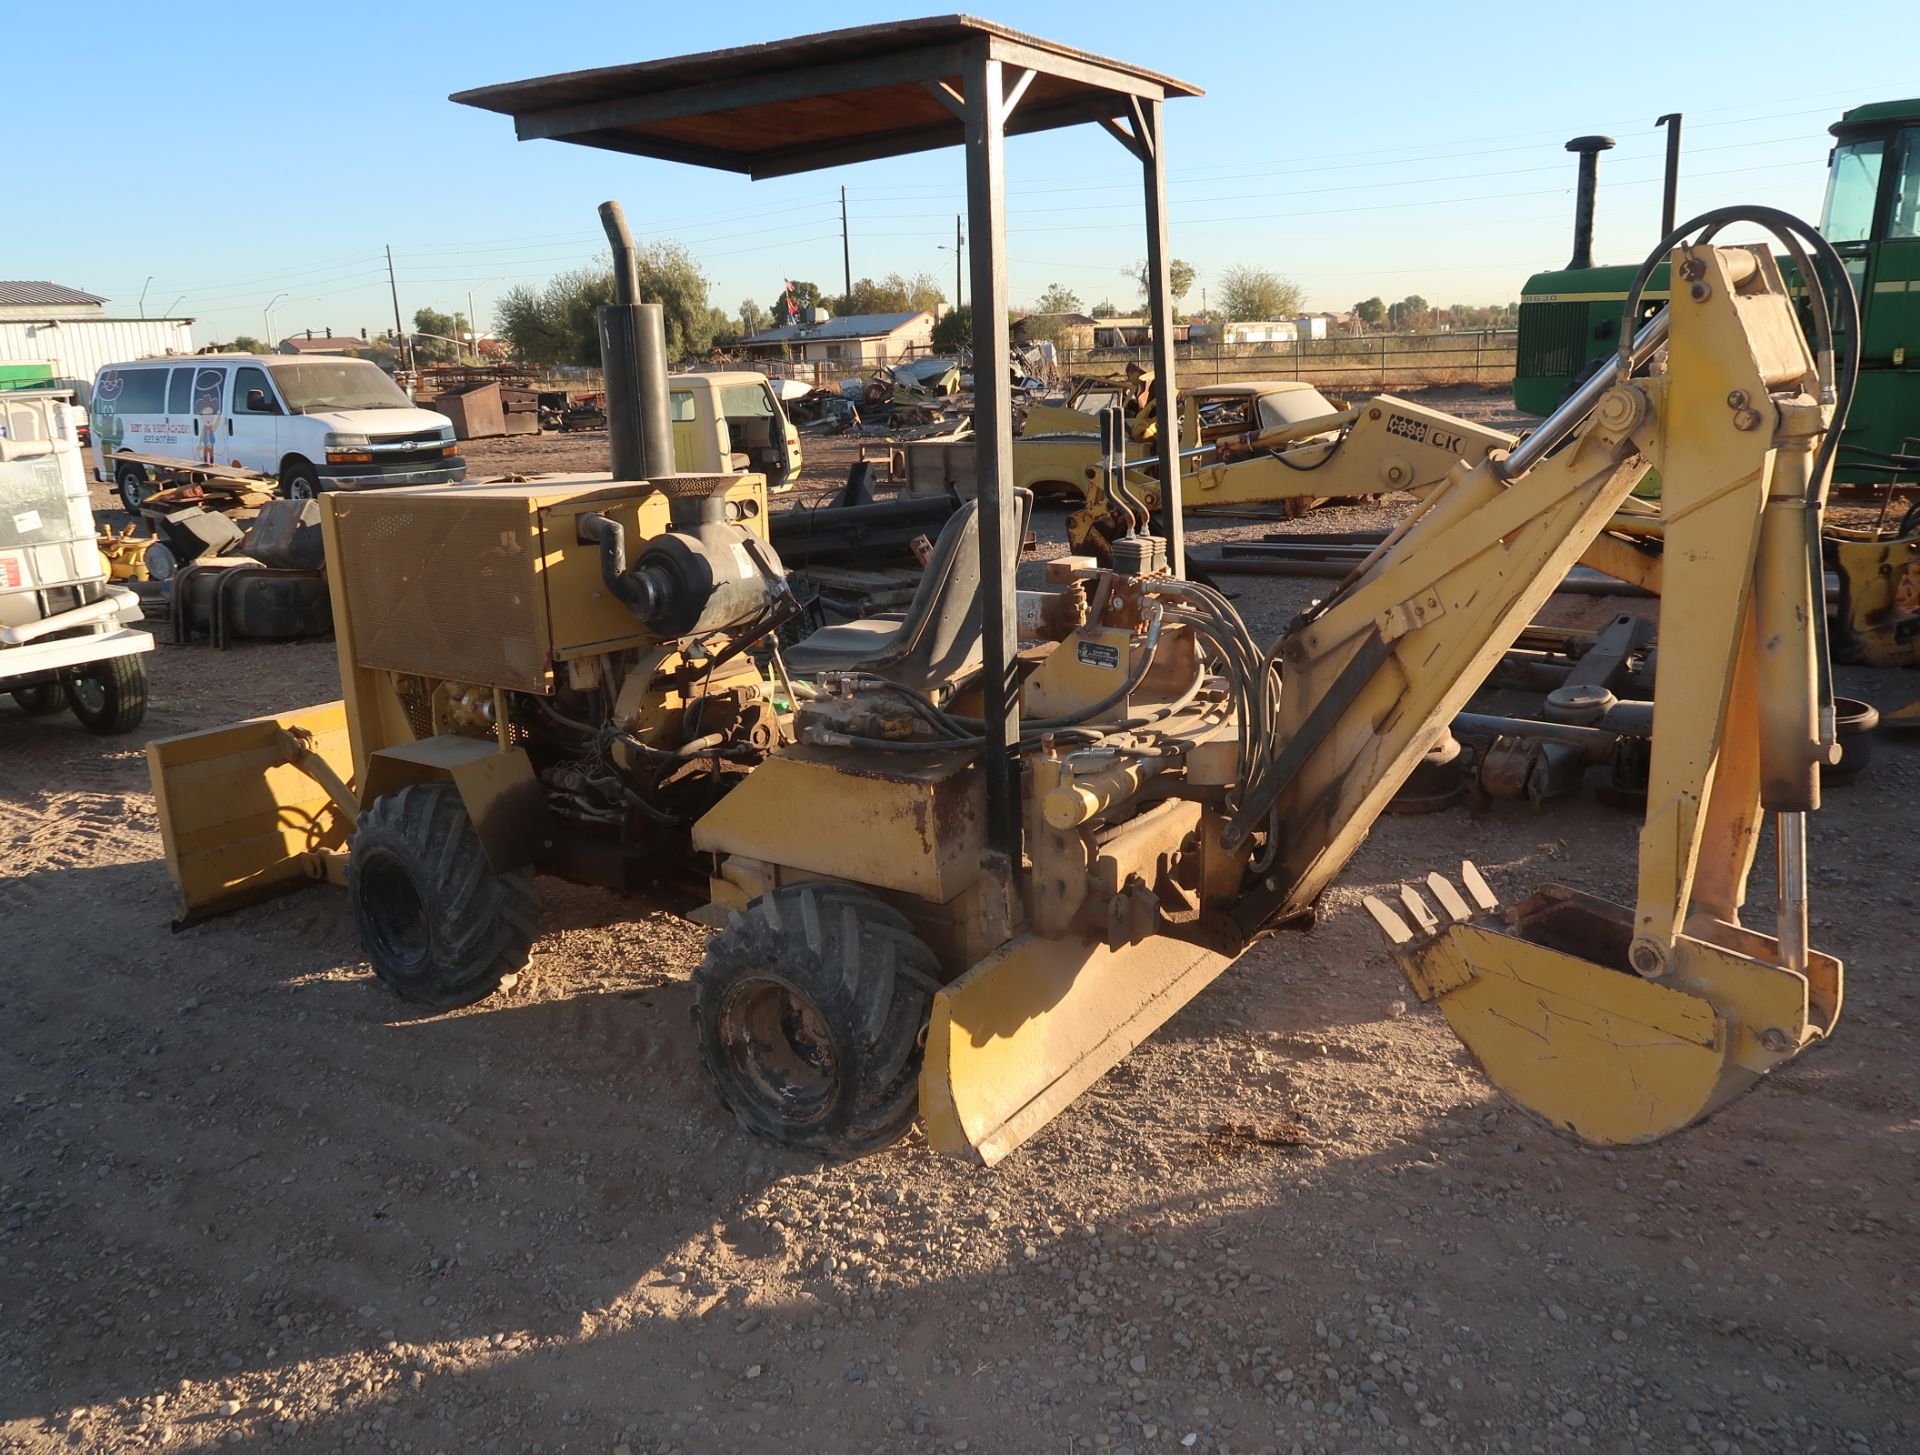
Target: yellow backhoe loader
x=973, y=874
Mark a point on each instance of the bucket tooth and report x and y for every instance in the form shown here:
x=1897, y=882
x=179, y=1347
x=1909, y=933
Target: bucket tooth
x=1418, y=910
x=1450, y=898
x=1391, y=925
x=1477, y=886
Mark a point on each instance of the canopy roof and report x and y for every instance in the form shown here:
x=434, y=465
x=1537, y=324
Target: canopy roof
x=819, y=101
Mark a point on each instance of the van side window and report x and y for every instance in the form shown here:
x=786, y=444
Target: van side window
x=245, y=381
x=180, y=392
x=142, y=391
x=682, y=402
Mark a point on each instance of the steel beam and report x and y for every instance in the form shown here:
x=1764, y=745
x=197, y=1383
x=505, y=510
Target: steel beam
x=1148, y=120
x=983, y=85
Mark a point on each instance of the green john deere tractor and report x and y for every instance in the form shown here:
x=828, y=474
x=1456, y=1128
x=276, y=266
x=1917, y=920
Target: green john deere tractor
x=1570, y=318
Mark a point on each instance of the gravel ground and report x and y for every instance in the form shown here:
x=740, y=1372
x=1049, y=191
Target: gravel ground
x=249, y=1199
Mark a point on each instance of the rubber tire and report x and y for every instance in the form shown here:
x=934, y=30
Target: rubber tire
x=297, y=473
x=130, y=481
x=123, y=698
x=416, y=858
x=39, y=700
x=853, y=965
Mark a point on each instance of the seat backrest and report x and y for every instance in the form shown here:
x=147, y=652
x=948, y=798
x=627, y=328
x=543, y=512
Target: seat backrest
x=939, y=640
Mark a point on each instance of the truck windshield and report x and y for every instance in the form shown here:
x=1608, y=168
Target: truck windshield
x=1851, y=192
x=312, y=384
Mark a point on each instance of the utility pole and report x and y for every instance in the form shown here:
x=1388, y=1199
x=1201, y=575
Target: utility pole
x=399, y=336
x=846, y=247
x=959, y=255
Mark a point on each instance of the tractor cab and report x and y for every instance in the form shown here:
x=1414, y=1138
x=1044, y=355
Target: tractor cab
x=1872, y=218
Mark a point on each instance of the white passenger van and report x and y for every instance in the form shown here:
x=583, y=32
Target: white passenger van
x=316, y=423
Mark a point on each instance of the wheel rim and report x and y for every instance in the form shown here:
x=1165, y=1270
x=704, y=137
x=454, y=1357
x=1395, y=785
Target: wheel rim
x=397, y=930
x=90, y=695
x=133, y=490
x=775, y=1046
x=300, y=488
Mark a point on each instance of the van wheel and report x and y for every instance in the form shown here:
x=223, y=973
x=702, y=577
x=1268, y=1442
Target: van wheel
x=110, y=696
x=131, y=480
x=38, y=700
x=299, y=480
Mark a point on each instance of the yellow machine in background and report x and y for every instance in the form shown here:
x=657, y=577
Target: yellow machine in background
x=1384, y=444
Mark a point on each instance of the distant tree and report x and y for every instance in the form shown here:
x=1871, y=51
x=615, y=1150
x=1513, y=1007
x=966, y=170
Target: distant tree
x=1180, y=277
x=1248, y=293
x=1371, y=311
x=894, y=293
x=955, y=331
x=1058, y=299
x=1103, y=309
x=753, y=318
x=445, y=326
x=560, y=323
x=1410, y=312
x=244, y=343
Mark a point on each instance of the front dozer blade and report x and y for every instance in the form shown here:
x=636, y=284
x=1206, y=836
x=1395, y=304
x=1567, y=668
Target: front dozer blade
x=244, y=811
x=1542, y=997
x=1019, y=1036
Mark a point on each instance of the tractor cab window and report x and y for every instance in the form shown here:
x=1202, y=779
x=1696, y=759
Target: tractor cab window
x=1852, y=188
x=1905, y=218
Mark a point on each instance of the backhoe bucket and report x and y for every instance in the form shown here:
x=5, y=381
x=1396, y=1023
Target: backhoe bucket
x=247, y=810
x=1019, y=1036
x=1542, y=996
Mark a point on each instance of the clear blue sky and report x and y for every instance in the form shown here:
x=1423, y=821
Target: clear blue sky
x=238, y=153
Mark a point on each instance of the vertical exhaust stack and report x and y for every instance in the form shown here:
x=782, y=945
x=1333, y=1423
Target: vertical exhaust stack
x=1670, y=193
x=1589, y=149
x=633, y=359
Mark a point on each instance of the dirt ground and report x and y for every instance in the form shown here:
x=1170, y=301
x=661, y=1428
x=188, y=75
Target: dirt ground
x=249, y=1199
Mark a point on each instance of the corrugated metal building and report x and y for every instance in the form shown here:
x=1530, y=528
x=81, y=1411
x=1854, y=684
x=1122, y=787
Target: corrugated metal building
x=70, y=333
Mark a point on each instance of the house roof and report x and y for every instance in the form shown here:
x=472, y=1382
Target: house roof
x=28, y=292
x=853, y=326
x=818, y=100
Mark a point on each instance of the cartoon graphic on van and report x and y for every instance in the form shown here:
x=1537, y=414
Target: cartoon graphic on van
x=208, y=385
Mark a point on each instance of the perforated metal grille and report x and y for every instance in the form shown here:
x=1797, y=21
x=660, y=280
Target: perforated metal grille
x=445, y=586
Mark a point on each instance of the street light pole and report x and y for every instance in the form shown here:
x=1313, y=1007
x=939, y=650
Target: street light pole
x=267, y=313
x=149, y=283
x=473, y=323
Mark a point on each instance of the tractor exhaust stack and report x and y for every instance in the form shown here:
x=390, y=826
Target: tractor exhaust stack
x=1589, y=149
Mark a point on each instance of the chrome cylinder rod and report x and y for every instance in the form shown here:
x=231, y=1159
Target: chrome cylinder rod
x=1566, y=419
x=1790, y=839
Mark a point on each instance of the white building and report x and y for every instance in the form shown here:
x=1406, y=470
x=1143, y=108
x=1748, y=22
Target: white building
x=63, y=334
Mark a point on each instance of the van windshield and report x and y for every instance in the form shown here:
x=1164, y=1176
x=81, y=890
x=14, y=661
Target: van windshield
x=311, y=385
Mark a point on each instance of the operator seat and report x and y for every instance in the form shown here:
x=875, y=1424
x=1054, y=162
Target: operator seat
x=936, y=643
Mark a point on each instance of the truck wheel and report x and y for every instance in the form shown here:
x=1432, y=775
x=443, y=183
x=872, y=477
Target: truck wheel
x=110, y=696
x=40, y=699
x=131, y=481
x=440, y=927
x=811, y=1011
x=299, y=480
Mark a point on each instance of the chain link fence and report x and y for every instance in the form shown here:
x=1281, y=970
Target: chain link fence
x=1347, y=363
